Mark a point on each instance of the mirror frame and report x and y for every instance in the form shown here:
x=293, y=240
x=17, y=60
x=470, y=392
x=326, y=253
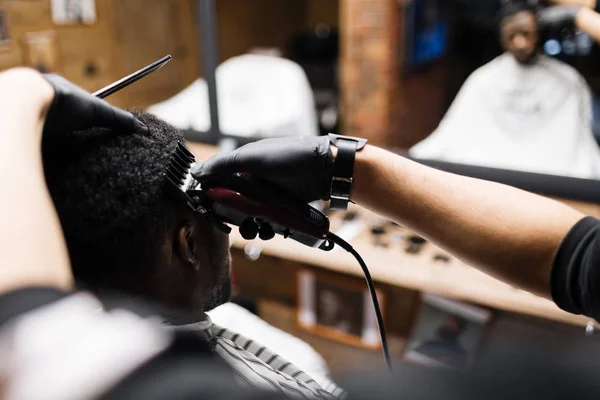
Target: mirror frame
x=563, y=187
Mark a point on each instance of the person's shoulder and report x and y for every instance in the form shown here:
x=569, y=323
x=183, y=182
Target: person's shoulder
x=486, y=70
x=565, y=71
x=556, y=63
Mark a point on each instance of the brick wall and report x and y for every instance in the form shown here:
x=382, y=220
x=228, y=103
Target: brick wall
x=380, y=100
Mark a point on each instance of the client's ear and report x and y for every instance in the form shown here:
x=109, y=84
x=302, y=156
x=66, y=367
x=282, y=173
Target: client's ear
x=186, y=246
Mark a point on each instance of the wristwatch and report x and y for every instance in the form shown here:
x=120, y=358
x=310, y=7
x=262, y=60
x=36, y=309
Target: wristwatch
x=343, y=170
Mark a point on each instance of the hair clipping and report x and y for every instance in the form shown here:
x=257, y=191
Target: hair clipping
x=128, y=80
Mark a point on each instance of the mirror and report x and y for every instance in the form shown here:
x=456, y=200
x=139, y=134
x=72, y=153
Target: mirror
x=519, y=98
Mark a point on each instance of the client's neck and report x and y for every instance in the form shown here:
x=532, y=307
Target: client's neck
x=148, y=308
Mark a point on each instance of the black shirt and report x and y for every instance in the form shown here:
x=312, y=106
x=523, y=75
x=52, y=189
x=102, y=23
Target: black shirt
x=576, y=270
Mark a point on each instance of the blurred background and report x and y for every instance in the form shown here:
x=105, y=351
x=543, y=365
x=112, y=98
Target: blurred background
x=385, y=70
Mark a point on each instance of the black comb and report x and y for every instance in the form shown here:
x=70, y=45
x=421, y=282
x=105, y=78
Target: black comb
x=178, y=170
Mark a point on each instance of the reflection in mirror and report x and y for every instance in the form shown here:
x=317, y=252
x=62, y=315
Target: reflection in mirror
x=523, y=110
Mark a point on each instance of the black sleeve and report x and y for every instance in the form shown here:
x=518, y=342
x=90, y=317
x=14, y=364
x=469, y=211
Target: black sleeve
x=576, y=270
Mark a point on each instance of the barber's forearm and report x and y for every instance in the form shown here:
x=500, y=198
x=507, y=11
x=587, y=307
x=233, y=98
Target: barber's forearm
x=32, y=248
x=503, y=231
x=589, y=21
x=582, y=3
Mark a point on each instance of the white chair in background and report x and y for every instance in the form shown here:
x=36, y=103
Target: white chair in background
x=258, y=96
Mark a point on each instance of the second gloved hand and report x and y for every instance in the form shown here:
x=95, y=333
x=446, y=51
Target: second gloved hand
x=73, y=109
x=302, y=166
x=557, y=17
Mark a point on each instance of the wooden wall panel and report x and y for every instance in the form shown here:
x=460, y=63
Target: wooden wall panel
x=130, y=34
x=246, y=24
x=126, y=36
x=22, y=17
x=87, y=54
x=144, y=31
x=78, y=46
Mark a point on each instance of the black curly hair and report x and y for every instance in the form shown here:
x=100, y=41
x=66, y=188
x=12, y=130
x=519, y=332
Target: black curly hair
x=511, y=8
x=112, y=199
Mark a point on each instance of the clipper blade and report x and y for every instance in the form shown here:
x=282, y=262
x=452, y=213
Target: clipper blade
x=180, y=177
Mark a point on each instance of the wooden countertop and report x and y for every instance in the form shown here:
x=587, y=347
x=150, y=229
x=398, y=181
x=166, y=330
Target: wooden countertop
x=421, y=272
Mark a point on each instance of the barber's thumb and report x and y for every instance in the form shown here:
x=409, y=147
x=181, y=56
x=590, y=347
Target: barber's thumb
x=244, y=159
x=139, y=126
x=127, y=122
x=214, y=166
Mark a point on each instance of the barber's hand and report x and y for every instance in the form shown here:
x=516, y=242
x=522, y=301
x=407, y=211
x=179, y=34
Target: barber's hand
x=558, y=17
x=303, y=166
x=75, y=109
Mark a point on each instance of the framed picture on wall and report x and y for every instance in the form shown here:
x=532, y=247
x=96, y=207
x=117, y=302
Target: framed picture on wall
x=447, y=333
x=4, y=31
x=40, y=51
x=338, y=308
x=73, y=12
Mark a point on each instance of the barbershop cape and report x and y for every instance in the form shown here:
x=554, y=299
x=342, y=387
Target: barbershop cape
x=533, y=118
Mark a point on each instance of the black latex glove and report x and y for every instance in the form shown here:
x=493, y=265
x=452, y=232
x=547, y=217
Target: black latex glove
x=75, y=109
x=557, y=17
x=302, y=166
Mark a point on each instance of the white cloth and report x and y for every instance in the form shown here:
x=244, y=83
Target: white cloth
x=257, y=95
x=43, y=352
x=256, y=365
x=300, y=353
x=532, y=118
x=72, y=350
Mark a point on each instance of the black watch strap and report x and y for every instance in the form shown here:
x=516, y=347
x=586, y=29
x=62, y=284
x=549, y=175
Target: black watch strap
x=343, y=172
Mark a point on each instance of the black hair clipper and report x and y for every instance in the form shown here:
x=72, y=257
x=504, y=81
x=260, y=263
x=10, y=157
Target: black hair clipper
x=256, y=207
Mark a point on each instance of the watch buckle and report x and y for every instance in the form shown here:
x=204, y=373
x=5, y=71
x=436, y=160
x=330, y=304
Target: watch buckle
x=341, y=179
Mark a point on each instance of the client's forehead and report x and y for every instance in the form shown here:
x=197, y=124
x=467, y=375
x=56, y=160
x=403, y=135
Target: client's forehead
x=523, y=20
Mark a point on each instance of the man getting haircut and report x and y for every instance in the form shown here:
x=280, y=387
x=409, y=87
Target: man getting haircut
x=128, y=231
